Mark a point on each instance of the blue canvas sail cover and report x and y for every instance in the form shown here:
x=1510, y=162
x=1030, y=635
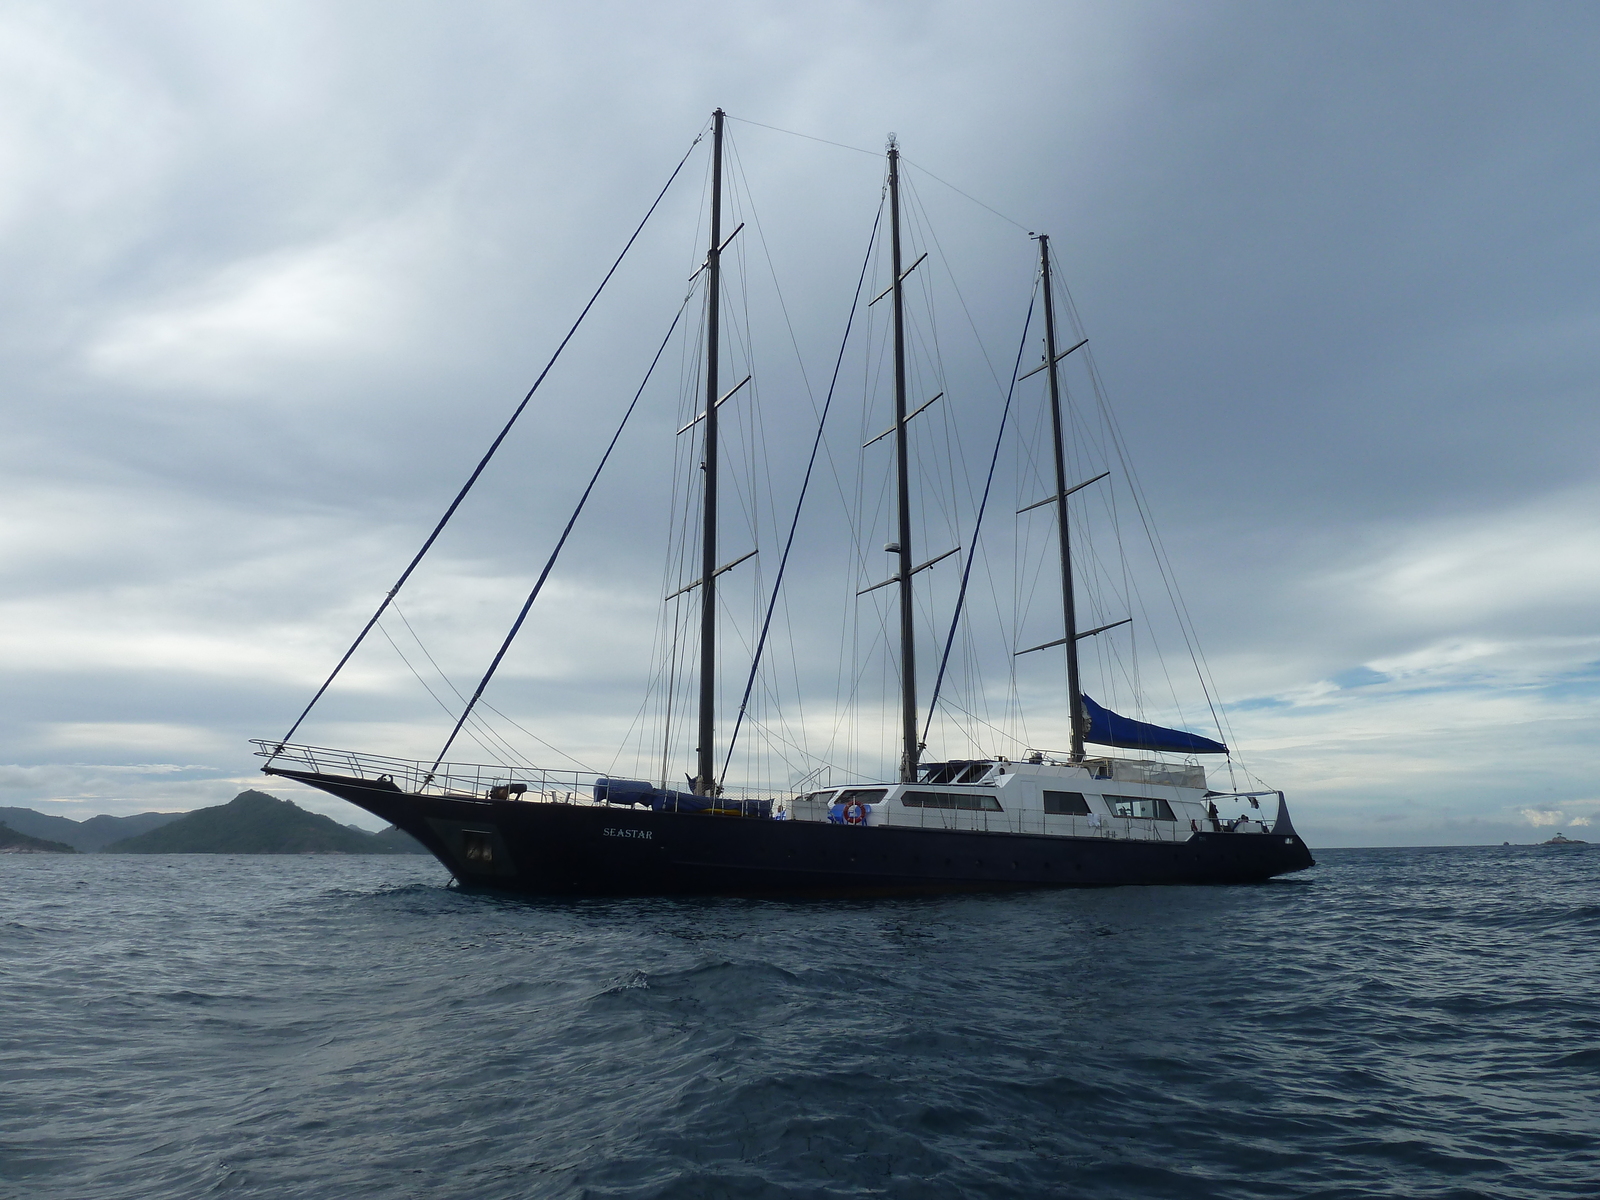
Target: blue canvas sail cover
x=1106, y=728
x=637, y=791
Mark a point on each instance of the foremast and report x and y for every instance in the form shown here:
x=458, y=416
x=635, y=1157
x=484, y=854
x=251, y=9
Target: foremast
x=910, y=750
x=705, y=783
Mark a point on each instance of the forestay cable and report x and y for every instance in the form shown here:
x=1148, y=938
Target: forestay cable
x=538, y=586
x=816, y=443
x=972, y=556
x=489, y=454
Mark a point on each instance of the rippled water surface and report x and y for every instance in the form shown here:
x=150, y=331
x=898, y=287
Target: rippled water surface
x=1408, y=1023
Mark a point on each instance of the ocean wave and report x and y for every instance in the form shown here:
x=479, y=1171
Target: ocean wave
x=1399, y=1024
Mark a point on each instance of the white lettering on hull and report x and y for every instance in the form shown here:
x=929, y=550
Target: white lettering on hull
x=612, y=831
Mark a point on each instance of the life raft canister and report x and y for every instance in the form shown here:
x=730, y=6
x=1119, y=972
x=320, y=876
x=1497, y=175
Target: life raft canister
x=855, y=813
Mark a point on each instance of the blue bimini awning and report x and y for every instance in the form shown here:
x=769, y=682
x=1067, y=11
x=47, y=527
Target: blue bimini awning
x=1106, y=728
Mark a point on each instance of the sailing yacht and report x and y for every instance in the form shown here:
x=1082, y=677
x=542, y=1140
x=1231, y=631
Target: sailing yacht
x=1067, y=818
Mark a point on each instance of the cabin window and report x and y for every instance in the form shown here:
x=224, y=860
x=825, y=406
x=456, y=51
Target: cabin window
x=1141, y=806
x=1066, y=804
x=971, y=801
x=477, y=847
x=863, y=795
x=818, y=797
x=960, y=771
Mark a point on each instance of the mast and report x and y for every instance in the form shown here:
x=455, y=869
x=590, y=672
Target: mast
x=910, y=751
x=1069, y=613
x=705, y=779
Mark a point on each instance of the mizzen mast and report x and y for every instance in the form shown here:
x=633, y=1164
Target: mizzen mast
x=1069, y=614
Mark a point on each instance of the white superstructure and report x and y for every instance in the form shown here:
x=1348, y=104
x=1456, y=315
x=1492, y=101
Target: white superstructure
x=1100, y=797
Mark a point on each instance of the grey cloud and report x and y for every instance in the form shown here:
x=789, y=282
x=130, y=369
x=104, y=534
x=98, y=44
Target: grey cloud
x=274, y=274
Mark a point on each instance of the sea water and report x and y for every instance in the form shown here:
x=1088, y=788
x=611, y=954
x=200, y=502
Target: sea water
x=1407, y=1023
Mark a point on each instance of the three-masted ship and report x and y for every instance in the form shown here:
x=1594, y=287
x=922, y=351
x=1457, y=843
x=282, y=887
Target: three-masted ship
x=1046, y=819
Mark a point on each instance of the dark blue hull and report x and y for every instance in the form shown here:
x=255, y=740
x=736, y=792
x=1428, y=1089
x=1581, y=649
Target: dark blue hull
x=579, y=849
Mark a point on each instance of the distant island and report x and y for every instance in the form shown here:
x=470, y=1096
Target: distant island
x=86, y=836
x=12, y=842
x=1562, y=839
x=251, y=823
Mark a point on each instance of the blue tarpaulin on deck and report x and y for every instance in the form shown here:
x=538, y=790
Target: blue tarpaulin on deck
x=1106, y=728
x=637, y=791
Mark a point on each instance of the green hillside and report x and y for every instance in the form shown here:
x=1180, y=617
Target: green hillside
x=255, y=823
x=91, y=834
x=12, y=842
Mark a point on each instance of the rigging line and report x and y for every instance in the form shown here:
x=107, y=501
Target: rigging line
x=562, y=540
x=807, y=755
x=799, y=362
x=966, y=571
x=1164, y=565
x=807, y=136
x=1010, y=737
x=490, y=750
x=816, y=442
x=449, y=683
x=676, y=536
x=1196, y=653
x=489, y=454
x=955, y=286
x=853, y=510
x=639, y=714
x=959, y=192
x=536, y=737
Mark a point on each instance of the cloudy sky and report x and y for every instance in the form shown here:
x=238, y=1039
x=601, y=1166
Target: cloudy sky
x=274, y=274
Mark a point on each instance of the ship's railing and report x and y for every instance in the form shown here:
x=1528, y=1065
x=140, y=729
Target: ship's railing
x=421, y=778
x=481, y=780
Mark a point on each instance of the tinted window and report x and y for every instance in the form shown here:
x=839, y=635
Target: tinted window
x=975, y=801
x=960, y=771
x=1066, y=804
x=864, y=795
x=1139, y=806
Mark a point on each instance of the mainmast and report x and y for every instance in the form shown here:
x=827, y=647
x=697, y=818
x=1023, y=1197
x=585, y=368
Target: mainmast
x=910, y=751
x=1063, y=535
x=705, y=779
